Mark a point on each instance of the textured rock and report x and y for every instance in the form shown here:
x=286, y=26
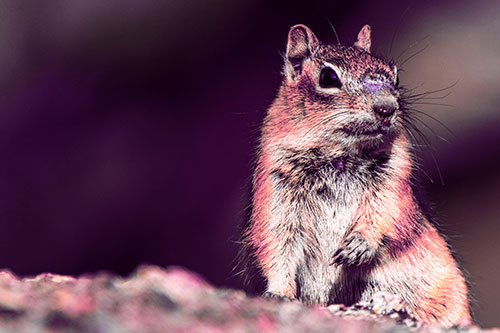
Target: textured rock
x=175, y=300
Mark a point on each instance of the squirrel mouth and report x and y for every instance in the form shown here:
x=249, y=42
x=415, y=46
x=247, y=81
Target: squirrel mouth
x=371, y=130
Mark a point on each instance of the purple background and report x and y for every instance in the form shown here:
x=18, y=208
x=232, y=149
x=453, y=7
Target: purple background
x=128, y=128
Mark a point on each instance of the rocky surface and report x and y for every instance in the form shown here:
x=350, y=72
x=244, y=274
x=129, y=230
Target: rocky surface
x=174, y=300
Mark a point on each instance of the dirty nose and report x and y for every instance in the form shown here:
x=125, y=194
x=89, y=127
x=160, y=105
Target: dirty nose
x=384, y=111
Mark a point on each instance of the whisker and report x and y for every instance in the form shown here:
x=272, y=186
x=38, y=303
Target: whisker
x=431, y=151
x=411, y=46
x=417, y=98
x=428, y=127
x=435, y=104
x=416, y=159
x=397, y=28
x=334, y=31
x=331, y=117
x=423, y=137
x=431, y=91
x=435, y=119
x=414, y=55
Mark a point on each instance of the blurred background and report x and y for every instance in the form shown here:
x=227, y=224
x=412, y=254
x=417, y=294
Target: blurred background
x=128, y=127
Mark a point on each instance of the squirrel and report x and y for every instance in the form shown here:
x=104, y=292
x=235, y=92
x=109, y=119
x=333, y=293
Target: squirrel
x=334, y=218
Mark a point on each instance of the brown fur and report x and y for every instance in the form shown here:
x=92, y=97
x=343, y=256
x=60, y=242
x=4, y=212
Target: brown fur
x=334, y=217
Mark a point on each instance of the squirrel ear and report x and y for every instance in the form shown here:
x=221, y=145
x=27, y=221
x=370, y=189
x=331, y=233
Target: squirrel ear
x=301, y=44
x=364, y=41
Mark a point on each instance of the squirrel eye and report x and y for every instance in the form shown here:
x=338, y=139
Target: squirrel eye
x=329, y=79
x=397, y=81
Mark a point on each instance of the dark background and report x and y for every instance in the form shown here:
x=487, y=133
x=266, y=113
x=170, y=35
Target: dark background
x=128, y=128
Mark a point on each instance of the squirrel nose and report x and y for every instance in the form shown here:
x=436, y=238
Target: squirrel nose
x=384, y=111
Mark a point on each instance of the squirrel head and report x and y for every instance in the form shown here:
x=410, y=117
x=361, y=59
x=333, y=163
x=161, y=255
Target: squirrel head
x=334, y=92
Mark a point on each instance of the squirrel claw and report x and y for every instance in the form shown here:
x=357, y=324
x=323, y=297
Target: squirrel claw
x=271, y=295
x=354, y=251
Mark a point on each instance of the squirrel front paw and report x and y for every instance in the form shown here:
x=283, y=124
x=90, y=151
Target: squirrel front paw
x=353, y=251
x=385, y=303
x=271, y=295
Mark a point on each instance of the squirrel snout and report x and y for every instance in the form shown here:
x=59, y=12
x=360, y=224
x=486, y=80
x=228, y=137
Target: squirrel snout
x=384, y=110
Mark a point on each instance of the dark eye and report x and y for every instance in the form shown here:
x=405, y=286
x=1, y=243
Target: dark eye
x=329, y=79
x=397, y=81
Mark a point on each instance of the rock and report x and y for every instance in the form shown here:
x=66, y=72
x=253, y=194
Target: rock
x=173, y=299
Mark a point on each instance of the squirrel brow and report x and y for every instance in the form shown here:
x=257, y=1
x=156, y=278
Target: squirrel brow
x=333, y=65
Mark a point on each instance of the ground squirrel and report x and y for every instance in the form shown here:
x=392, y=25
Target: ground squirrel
x=334, y=217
